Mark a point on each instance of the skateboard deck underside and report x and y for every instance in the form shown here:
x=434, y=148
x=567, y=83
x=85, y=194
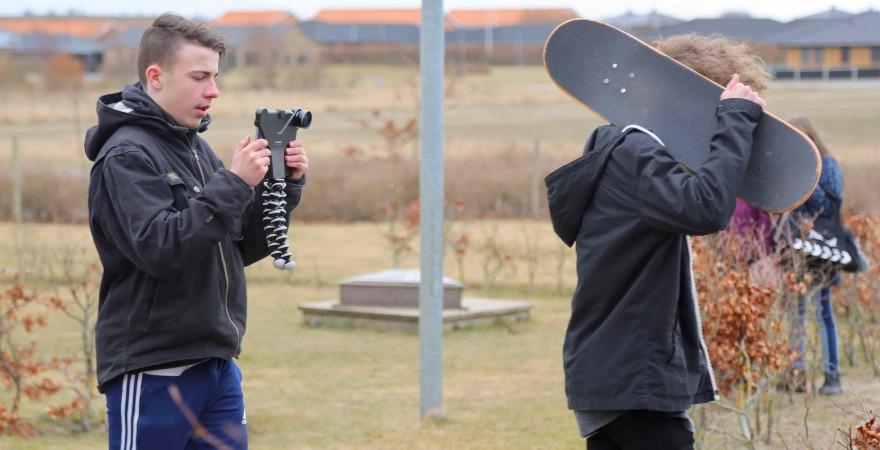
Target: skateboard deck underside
x=629, y=82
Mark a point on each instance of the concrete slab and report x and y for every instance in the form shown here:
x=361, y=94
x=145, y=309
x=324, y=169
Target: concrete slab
x=474, y=312
x=397, y=288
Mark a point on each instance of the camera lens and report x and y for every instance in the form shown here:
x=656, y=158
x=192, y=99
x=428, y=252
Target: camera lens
x=302, y=118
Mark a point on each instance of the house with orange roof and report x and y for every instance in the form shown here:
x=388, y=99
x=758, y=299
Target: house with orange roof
x=267, y=40
x=48, y=60
x=270, y=50
x=84, y=27
x=495, y=18
x=505, y=36
x=375, y=16
x=45, y=43
x=255, y=19
x=366, y=35
x=268, y=47
x=120, y=53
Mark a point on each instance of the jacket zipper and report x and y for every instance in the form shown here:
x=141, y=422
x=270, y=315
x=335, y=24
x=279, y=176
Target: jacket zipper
x=222, y=261
x=696, y=305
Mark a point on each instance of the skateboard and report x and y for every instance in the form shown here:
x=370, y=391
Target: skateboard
x=628, y=82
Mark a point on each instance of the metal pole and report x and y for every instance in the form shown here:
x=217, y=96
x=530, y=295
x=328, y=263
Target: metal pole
x=16, y=182
x=431, y=209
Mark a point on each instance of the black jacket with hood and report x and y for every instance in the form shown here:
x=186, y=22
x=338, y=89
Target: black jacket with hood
x=174, y=230
x=634, y=339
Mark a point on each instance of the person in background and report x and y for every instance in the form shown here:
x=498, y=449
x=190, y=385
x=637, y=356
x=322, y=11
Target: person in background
x=825, y=201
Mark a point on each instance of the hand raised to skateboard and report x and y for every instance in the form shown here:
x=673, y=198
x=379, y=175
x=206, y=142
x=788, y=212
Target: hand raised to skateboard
x=735, y=89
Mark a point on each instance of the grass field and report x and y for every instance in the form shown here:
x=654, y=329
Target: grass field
x=346, y=388
x=502, y=112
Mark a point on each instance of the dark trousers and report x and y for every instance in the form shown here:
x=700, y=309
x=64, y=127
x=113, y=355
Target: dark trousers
x=141, y=413
x=643, y=430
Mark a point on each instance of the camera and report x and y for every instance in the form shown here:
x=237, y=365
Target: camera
x=279, y=127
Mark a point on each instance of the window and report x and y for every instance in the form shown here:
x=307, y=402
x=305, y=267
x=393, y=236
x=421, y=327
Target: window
x=805, y=56
x=875, y=55
x=844, y=55
x=820, y=55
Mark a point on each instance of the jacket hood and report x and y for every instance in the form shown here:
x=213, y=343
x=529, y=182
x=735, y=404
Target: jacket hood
x=571, y=188
x=132, y=105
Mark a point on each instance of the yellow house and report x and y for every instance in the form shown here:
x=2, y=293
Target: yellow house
x=847, y=44
x=832, y=56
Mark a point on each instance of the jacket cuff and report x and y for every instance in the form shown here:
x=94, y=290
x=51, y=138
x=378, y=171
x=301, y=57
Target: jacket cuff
x=751, y=109
x=301, y=181
x=234, y=179
x=232, y=193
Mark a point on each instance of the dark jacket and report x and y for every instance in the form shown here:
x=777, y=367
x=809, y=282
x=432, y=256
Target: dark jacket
x=827, y=199
x=634, y=340
x=824, y=204
x=174, y=230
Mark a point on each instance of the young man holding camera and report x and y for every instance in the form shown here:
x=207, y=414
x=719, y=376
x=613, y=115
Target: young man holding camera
x=174, y=230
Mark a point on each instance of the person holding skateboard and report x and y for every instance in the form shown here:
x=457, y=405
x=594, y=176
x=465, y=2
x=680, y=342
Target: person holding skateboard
x=634, y=356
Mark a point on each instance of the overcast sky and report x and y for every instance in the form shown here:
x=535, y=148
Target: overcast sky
x=685, y=9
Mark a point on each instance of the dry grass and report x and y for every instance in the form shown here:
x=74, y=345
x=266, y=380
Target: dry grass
x=492, y=118
x=345, y=388
x=504, y=106
x=494, y=121
x=308, y=388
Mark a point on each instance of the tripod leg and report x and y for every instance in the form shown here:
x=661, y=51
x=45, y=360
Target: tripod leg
x=274, y=212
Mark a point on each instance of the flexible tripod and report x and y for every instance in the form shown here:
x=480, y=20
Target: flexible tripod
x=278, y=127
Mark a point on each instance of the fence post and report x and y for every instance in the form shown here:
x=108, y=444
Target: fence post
x=16, y=182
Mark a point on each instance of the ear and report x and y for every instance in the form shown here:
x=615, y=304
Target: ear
x=154, y=77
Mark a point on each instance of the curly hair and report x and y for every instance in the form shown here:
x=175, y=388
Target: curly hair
x=717, y=58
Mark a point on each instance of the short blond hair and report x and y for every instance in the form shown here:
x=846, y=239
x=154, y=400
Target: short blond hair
x=717, y=58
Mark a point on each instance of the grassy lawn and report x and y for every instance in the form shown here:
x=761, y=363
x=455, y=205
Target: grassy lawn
x=348, y=388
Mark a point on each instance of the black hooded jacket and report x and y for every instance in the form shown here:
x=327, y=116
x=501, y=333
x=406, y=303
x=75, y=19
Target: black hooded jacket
x=634, y=339
x=174, y=230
